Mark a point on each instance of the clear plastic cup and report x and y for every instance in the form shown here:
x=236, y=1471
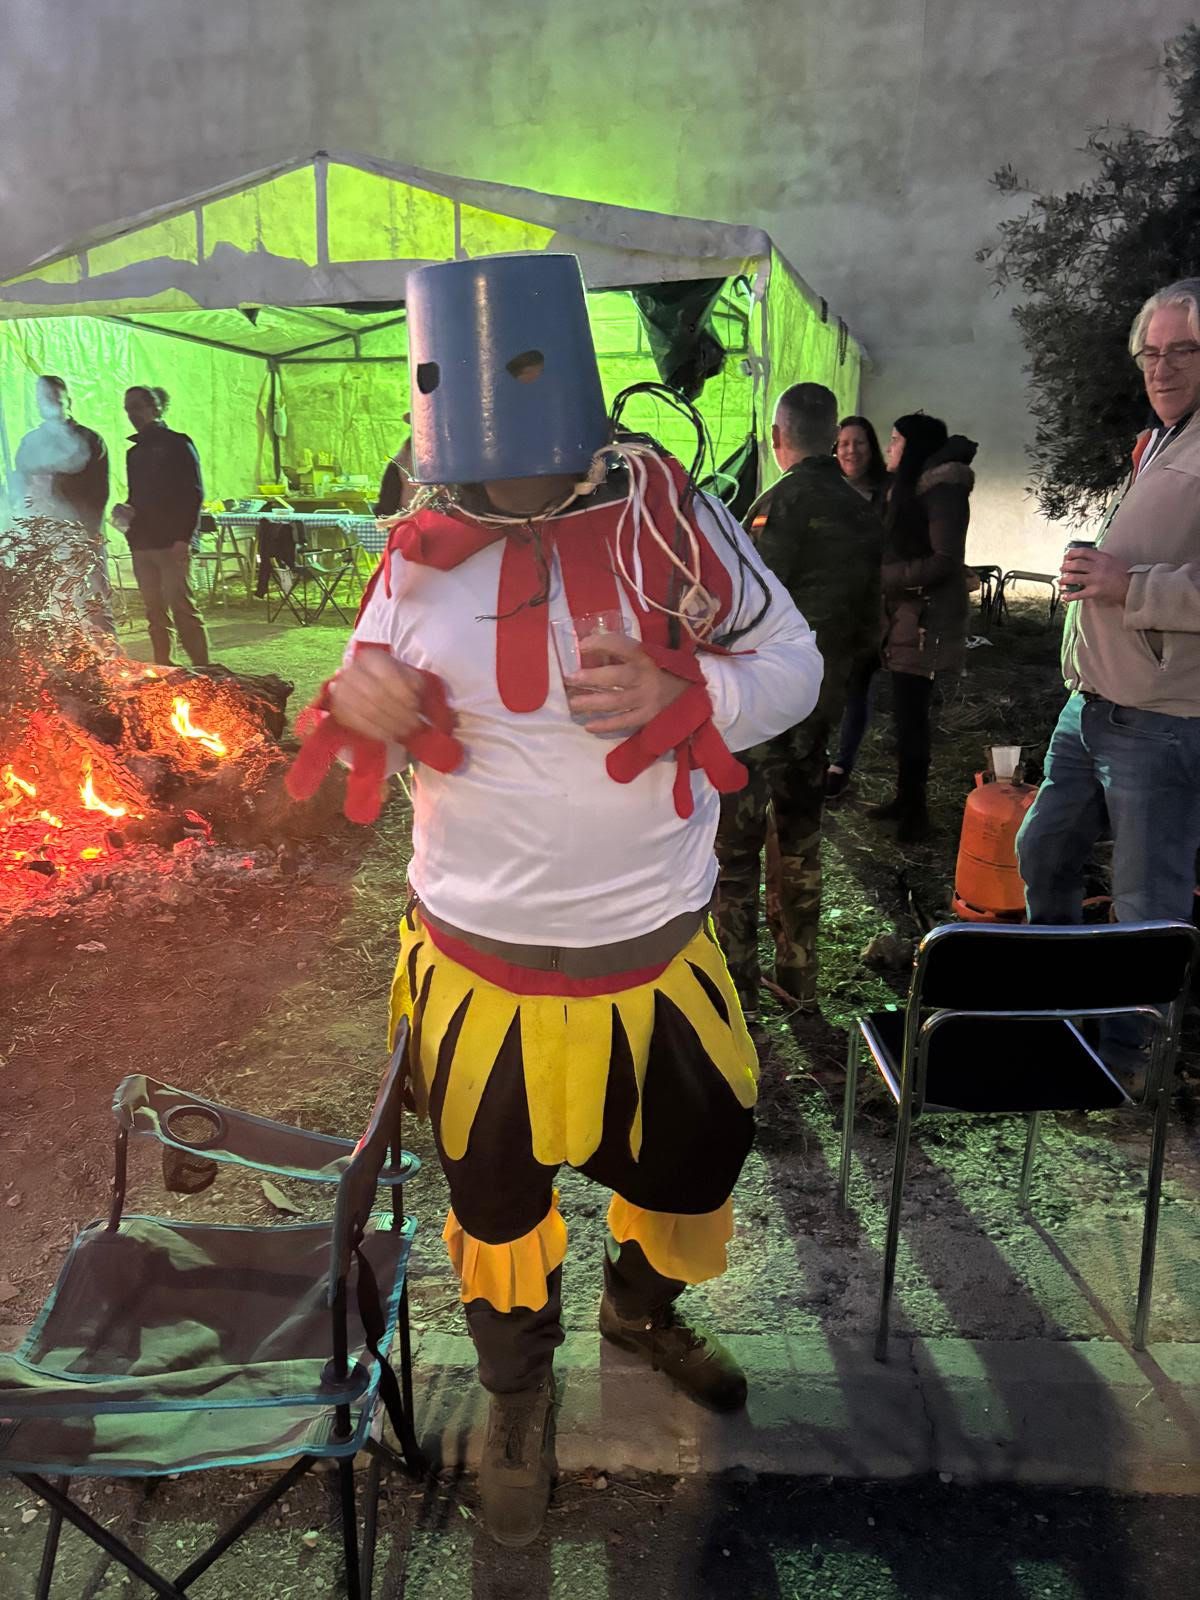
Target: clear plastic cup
x=570, y=637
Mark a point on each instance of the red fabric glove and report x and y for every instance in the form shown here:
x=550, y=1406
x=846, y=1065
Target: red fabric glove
x=325, y=741
x=685, y=726
x=326, y=738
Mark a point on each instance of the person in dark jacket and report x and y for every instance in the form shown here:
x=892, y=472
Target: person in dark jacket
x=823, y=542
x=861, y=460
x=62, y=471
x=160, y=520
x=63, y=465
x=925, y=602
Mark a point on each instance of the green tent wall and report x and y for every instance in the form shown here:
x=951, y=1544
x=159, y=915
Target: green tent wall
x=271, y=310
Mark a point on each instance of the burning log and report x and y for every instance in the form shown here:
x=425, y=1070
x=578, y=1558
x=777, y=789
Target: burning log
x=102, y=757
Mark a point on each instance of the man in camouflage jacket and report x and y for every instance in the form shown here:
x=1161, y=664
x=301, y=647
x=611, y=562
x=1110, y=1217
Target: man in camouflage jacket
x=823, y=541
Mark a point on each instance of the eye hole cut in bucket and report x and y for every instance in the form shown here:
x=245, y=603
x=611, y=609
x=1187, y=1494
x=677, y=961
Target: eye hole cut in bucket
x=429, y=375
x=528, y=366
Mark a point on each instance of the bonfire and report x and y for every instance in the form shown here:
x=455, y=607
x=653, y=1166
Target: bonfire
x=103, y=758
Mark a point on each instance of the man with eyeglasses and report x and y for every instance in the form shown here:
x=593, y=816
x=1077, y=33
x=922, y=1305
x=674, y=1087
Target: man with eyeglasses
x=1127, y=744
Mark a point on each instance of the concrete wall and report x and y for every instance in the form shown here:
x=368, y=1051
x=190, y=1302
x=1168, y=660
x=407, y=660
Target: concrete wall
x=862, y=135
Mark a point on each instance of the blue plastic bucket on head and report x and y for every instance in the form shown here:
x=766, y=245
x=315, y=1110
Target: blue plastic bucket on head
x=502, y=370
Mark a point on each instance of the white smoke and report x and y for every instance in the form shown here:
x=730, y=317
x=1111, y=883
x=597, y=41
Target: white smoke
x=54, y=446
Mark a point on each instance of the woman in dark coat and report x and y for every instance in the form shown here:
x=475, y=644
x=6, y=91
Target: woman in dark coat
x=924, y=595
x=863, y=467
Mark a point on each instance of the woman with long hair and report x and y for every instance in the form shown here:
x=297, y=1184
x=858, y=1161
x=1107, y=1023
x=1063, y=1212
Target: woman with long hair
x=861, y=460
x=864, y=469
x=924, y=595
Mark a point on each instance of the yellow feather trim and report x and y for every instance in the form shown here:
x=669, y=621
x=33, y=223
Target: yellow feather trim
x=508, y=1275
x=689, y=1249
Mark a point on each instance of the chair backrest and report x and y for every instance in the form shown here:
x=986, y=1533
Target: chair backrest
x=359, y=1182
x=1034, y=981
x=1053, y=970
x=202, y=1129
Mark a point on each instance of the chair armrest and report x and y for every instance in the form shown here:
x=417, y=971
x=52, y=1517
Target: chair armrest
x=199, y=1127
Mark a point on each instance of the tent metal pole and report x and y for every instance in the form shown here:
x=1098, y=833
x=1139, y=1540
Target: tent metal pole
x=273, y=369
x=342, y=361
x=341, y=338
x=188, y=338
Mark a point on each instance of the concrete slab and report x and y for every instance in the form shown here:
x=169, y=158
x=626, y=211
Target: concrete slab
x=1084, y=1414
x=1089, y=1414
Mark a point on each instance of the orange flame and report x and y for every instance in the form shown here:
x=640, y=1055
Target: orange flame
x=92, y=853
x=48, y=816
x=16, y=784
x=91, y=800
x=181, y=721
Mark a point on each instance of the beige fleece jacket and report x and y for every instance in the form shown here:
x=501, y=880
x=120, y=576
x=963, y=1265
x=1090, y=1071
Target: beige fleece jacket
x=1146, y=653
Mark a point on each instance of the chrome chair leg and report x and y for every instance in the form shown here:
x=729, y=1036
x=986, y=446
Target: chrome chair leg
x=892, y=1244
x=1158, y=1151
x=852, y=1058
x=1031, y=1144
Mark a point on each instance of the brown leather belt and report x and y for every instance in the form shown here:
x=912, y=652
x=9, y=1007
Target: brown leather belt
x=597, y=961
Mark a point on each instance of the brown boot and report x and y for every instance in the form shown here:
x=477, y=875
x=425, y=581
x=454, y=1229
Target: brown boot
x=695, y=1360
x=518, y=1466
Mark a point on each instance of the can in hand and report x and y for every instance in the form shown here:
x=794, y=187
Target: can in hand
x=1076, y=544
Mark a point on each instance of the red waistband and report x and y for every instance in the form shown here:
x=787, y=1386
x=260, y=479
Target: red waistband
x=526, y=980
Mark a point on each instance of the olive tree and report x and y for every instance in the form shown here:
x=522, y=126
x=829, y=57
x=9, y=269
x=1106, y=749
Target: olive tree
x=1084, y=262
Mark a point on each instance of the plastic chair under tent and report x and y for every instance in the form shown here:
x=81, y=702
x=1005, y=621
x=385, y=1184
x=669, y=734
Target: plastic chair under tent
x=171, y=1346
x=997, y=1021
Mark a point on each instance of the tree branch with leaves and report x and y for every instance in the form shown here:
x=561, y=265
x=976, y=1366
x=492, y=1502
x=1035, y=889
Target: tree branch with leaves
x=1085, y=261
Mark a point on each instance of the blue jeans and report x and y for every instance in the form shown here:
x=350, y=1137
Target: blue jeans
x=857, y=714
x=1141, y=770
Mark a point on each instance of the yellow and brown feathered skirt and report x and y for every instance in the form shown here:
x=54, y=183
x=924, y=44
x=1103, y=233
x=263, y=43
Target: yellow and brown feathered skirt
x=644, y=1081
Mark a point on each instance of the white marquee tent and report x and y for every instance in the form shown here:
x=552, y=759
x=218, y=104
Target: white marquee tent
x=272, y=310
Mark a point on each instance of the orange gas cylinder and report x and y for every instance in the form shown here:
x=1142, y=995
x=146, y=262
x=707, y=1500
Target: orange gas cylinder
x=987, y=885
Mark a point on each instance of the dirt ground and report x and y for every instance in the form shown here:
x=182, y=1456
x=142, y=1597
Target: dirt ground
x=272, y=994
x=652, y=1538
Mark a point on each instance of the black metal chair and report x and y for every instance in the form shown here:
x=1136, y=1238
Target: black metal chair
x=1014, y=576
x=992, y=1024
x=989, y=586
x=171, y=1346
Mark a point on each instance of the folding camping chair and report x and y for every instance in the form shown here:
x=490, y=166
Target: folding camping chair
x=326, y=562
x=992, y=1025
x=171, y=1346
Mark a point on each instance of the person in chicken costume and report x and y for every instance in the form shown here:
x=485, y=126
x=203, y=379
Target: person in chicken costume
x=567, y=998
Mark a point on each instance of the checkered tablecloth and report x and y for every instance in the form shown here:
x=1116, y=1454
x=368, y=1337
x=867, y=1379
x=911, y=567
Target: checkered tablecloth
x=365, y=530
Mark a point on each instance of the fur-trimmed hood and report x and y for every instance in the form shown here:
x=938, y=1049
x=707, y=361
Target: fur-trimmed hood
x=950, y=465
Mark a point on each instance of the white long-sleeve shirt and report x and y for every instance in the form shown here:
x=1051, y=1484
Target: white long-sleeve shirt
x=529, y=840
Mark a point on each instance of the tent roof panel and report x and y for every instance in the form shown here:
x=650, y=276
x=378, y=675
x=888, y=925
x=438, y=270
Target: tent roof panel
x=338, y=229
